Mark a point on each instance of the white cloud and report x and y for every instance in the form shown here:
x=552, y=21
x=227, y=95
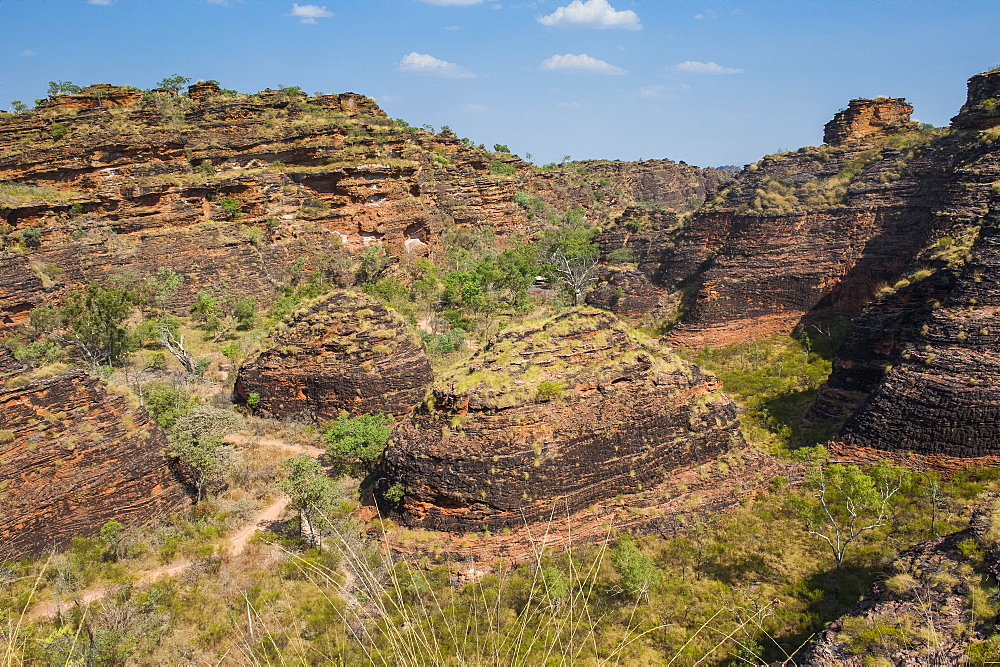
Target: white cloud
x=424, y=63
x=218, y=2
x=709, y=14
x=582, y=63
x=309, y=13
x=451, y=27
x=28, y=53
x=569, y=105
x=658, y=91
x=102, y=3
x=591, y=14
x=695, y=67
x=477, y=108
x=452, y=3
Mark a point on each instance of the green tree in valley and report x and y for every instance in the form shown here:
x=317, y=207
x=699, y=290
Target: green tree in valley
x=220, y=311
x=95, y=321
x=637, y=570
x=843, y=502
x=196, y=441
x=351, y=441
x=313, y=493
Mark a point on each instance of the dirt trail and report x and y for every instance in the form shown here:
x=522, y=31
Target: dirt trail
x=232, y=546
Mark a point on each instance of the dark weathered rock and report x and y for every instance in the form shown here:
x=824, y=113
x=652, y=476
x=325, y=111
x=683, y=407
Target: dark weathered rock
x=982, y=105
x=343, y=352
x=941, y=397
x=863, y=119
x=574, y=409
x=73, y=456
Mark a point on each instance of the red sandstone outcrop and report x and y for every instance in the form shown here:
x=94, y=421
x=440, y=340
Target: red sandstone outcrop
x=917, y=368
x=74, y=455
x=863, y=119
x=940, y=394
x=573, y=409
x=343, y=352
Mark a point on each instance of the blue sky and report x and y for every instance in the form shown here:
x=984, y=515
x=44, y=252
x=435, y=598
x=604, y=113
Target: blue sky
x=708, y=82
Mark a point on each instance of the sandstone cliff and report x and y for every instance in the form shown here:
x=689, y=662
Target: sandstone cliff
x=344, y=351
x=575, y=408
x=863, y=118
x=916, y=373
x=74, y=455
x=804, y=235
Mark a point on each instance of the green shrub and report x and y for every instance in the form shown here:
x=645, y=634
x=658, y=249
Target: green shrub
x=167, y=403
x=549, y=389
x=621, y=256
x=232, y=206
x=31, y=235
x=362, y=438
x=637, y=570
x=58, y=131
x=499, y=168
x=395, y=493
x=255, y=234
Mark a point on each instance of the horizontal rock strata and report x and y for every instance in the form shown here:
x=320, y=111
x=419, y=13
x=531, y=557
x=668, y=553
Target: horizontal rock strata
x=73, y=456
x=342, y=352
x=566, y=411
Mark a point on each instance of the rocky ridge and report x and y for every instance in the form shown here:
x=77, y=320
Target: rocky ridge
x=916, y=372
x=245, y=190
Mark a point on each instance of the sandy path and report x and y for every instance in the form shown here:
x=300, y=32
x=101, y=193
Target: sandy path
x=233, y=545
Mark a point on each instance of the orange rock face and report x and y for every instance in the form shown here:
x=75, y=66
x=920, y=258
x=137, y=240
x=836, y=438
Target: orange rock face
x=867, y=118
x=344, y=352
x=73, y=456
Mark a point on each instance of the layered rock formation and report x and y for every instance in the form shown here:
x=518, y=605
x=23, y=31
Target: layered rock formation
x=573, y=409
x=343, y=352
x=74, y=455
x=981, y=110
x=864, y=118
x=941, y=394
x=807, y=235
x=237, y=189
x=917, y=370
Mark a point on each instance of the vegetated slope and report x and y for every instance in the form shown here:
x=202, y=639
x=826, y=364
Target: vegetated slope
x=343, y=351
x=247, y=190
x=798, y=237
x=572, y=409
x=72, y=456
x=933, y=607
